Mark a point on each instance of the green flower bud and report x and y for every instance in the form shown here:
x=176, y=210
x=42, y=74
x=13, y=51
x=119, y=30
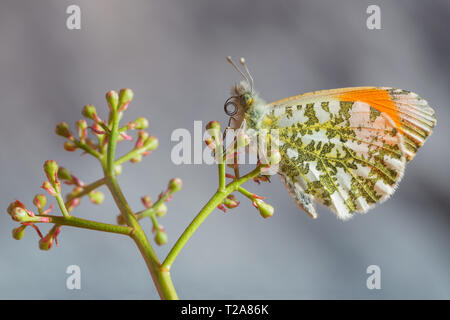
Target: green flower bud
x=64, y=174
x=161, y=237
x=125, y=97
x=161, y=210
x=19, y=214
x=96, y=197
x=175, y=185
x=40, y=201
x=69, y=146
x=230, y=202
x=265, y=210
x=46, y=243
x=117, y=169
x=62, y=129
x=90, y=112
x=151, y=143
x=19, y=232
x=140, y=123
x=113, y=99
x=51, y=170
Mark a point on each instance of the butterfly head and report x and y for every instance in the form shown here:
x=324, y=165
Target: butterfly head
x=243, y=98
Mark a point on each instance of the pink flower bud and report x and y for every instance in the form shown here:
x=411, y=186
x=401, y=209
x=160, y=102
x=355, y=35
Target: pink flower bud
x=49, y=188
x=146, y=201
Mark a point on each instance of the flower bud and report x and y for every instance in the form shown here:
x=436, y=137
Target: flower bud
x=138, y=124
x=40, y=201
x=51, y=170
x=65, y=175
x=90, y=112
x=161, y=237
x=96, y=197
x=82, y=129
x=62, y=129
x=69, y=146
x=230, y=202
x=49, y=188
x=265, y=210
x=175, y=185
x=47, y=242
x=151, y=143
x=125, y=97
x=117, y=169
x=161, y=210
x=19, y=232
x=147, y=201
x=112, y=97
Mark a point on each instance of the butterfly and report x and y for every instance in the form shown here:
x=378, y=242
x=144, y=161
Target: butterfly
x=344, y=148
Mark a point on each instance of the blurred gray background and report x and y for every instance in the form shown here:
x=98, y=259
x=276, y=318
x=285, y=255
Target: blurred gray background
x=172, y=54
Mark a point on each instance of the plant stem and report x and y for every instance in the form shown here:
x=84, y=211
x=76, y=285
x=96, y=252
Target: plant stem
x=88, y=224
x=111, y=151
x=86, y=190
x=216, y=199
x=160, y=277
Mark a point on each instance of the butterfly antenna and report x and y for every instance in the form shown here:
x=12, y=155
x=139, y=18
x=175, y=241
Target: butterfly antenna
x=242, y=62
x=237, y=69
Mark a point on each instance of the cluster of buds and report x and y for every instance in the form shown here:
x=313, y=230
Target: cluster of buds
x=27, y=218
x=144, y=145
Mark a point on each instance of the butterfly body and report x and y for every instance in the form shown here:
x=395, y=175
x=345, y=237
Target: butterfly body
x=345, y=148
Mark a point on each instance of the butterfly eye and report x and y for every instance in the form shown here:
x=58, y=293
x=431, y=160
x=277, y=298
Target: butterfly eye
x=230, y=107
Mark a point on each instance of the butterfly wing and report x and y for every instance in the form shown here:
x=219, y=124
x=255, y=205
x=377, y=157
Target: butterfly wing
x=347, y=148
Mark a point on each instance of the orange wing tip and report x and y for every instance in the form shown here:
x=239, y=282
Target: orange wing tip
x=412, y=115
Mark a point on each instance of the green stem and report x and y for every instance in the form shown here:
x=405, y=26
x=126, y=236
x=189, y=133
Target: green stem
x=160, y=276
x=62, y=205
x=86, y=190
x=130, y=155
x=88, y=224
x=111, y=152
x=216, y=199
x=87, y=148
